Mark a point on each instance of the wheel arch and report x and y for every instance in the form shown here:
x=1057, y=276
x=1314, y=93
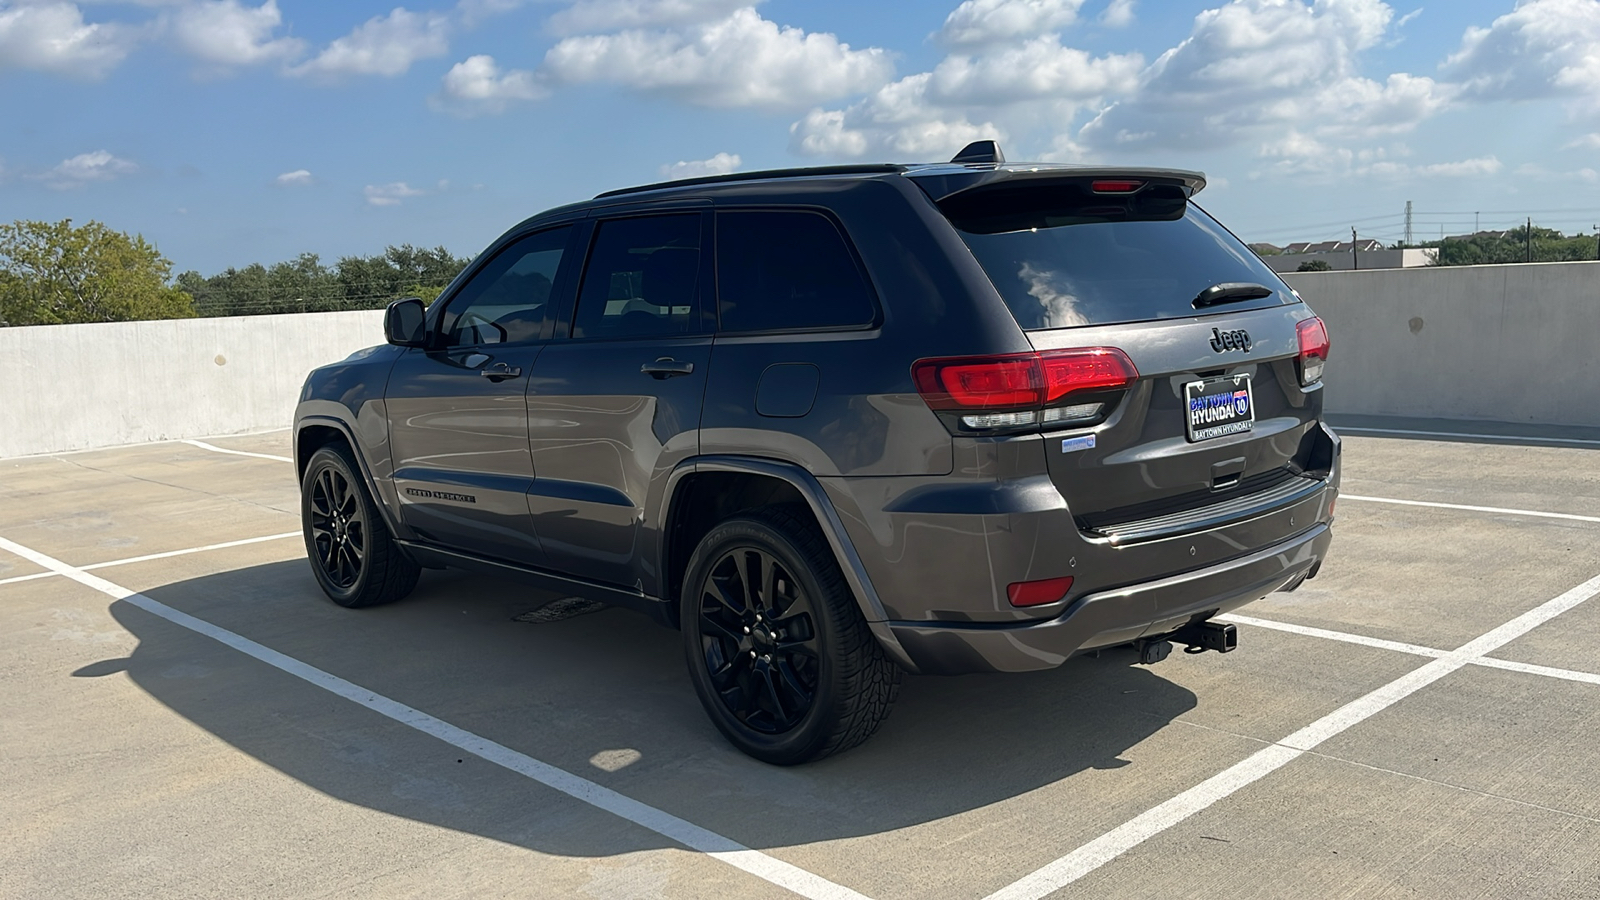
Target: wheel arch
x=312, y=433
x=706, y=490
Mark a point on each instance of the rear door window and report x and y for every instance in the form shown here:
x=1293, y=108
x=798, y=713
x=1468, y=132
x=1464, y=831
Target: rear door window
x=642, y=279
x=1063, y=257
x=785, y=271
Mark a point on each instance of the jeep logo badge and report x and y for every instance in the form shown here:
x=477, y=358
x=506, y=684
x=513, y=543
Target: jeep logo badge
x=1222, y=341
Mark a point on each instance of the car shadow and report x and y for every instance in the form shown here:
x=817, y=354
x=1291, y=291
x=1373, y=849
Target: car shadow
x=605, y=696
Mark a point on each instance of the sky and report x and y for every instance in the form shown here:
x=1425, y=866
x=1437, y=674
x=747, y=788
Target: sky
x=230, y=131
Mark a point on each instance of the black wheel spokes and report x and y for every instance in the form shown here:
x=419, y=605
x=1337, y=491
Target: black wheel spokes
x=338, y=528
x=759, y=638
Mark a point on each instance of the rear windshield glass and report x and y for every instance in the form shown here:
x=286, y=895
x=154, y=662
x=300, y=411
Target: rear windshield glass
x=1062, y=258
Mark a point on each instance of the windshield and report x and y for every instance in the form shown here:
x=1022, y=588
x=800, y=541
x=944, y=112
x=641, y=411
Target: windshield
x=1101, y=270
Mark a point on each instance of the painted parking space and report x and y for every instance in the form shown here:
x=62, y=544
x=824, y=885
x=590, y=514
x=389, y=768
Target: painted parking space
x=974, y=784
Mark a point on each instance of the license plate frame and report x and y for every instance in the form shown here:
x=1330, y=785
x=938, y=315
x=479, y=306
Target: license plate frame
x=1205, y=418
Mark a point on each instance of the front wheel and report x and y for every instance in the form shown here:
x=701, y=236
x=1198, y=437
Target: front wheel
x=779, y=653
x=355, y=560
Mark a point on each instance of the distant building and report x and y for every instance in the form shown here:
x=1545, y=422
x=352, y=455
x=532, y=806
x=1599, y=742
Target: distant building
x=1369, y=254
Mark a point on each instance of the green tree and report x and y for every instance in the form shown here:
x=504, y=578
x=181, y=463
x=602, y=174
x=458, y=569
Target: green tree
x=1514, y=246
x=1314, y=265
x=53, y=273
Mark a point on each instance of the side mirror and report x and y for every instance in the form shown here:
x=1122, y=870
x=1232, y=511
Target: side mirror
x=404, y=322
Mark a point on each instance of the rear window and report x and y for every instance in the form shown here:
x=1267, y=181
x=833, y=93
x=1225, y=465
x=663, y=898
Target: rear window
x=787, y=270
x=1061, y=256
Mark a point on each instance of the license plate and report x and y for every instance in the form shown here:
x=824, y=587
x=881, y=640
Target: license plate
x=1218, y=406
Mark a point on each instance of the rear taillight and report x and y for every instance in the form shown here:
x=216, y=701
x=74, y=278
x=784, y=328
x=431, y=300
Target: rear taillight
x=1115, y=186
x=1313, y=337
x=1020, y=391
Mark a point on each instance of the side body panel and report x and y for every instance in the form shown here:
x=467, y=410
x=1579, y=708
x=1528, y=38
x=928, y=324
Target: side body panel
x=462, y=466
x=348, y=397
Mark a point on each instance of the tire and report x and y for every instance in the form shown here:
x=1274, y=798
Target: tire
x=352, y=554
x=795, y=675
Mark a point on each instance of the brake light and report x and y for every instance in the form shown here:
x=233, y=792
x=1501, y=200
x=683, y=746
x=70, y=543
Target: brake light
x=1313, y=336
x=1029, y=387
x=1038, y=593
x=1115, y=186
x=1095, y=369
x=979, y=382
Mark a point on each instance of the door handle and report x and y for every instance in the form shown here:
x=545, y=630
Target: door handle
x=666, y=367
x=500, y=372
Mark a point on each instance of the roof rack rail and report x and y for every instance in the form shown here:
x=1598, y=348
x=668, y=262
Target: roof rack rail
x=861, y=169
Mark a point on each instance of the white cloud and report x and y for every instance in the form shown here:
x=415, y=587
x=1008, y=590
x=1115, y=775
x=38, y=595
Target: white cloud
x=933, y=114
x=1119, y=14
x=53, y=37
x=1587, y=142
x=1543, y=48
x=390, y=194
x=1039, y=69
x=588, y=16
x=741, y=60
x=1466, y=168
x=977, y=22
x=85, y=168
x=1301, y=155
x=721, y=164
x=1252, y=68
x=293, y=179
x=228, y=33
x=897, y=121
x=476, y=85
x=383, y=45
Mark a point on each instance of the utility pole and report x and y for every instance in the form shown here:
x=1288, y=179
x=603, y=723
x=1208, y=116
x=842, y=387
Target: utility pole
x=1597, y=242
x=1475, y=223
x=1408, y=223
x=1527, y=242
x=1355, y=259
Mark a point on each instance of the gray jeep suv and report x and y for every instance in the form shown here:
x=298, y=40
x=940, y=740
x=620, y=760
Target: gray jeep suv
x=838, y=423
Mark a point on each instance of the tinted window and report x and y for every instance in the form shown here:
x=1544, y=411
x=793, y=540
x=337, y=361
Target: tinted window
x=506, y=301
x=1060, y=261
x=780, y=270
x=641, y=278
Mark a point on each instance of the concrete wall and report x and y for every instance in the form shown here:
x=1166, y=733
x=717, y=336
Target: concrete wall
x=70, y=387
x=1370, y=259
x=1513, y=343
x=1507, y=343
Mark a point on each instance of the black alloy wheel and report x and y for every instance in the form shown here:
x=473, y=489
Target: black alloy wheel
x=779, y=653
x=338, y=528
x=353, y=556
x=758, y=634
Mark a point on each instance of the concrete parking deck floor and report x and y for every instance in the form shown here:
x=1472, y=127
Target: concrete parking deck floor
x=183, y=715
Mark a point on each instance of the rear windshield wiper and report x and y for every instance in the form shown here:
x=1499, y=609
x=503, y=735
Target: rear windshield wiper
x=1231, y=292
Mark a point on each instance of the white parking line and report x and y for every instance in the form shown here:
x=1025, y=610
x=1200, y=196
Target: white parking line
x=1098, y=852
x=1517, y=438
x=1485, y=509
x=690, y=835
x=213, y=447
x=1342, y=636
x=36, y=575
x=1414, y=649
x=167, y=555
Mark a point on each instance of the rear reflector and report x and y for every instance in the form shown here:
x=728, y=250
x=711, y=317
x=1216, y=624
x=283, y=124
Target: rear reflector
x=1038, y=593
x=1115, y=186
x=1313, y=336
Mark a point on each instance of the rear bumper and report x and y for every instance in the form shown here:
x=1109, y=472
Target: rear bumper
x=1112, y=617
